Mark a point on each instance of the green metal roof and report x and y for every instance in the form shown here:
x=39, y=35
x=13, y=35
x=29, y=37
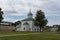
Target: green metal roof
x=28, y=19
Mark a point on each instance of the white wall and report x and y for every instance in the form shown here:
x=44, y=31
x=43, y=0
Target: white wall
x=26, y=26
x=29, y=27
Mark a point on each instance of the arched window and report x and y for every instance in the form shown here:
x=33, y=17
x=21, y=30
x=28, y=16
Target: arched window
x=24, y=28
x=25, y=23
x=29, y=29
x=35, y=29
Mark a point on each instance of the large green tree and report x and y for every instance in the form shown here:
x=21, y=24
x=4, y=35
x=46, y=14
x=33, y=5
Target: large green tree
x=40, y=19
x=1, y=13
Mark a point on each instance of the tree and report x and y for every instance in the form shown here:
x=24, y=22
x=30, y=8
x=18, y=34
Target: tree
x=58, y=28
x=40, y=19
x=17, y=23
x=1, y=13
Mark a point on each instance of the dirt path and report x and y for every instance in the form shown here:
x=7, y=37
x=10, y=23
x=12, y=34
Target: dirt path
x=18, y=34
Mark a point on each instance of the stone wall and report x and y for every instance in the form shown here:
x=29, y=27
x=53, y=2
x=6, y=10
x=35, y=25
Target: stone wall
x=7, y=28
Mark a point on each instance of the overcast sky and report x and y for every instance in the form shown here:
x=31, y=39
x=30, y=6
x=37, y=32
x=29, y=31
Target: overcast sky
x=18, y=9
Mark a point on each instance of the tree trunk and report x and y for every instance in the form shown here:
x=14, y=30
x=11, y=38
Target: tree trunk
x=40, y=28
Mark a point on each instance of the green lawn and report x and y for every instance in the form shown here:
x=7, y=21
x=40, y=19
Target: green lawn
x=14, y=32
x=41, y=36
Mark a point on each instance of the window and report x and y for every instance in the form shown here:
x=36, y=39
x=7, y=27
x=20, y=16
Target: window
x=29, y=28
x=24, y=28
x=35, y=29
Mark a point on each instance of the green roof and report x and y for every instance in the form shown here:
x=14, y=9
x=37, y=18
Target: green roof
x=28, y=19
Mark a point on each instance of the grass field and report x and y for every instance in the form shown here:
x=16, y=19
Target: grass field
x=40, y=36
x=13, y=32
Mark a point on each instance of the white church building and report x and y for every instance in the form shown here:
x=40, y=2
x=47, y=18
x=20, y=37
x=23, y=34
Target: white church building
x=27, y=24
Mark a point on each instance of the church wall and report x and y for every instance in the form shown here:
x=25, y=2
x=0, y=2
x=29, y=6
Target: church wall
x=30, y=25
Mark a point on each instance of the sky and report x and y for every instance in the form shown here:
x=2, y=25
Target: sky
x=15, y=10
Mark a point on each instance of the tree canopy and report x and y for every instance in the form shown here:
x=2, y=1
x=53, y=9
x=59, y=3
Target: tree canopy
x=40, y=19
x=17, y=23
x=1, y=13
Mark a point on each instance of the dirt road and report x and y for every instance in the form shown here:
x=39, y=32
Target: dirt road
x=18, y=34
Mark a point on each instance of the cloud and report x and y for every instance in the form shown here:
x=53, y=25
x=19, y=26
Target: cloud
x=20, y=8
